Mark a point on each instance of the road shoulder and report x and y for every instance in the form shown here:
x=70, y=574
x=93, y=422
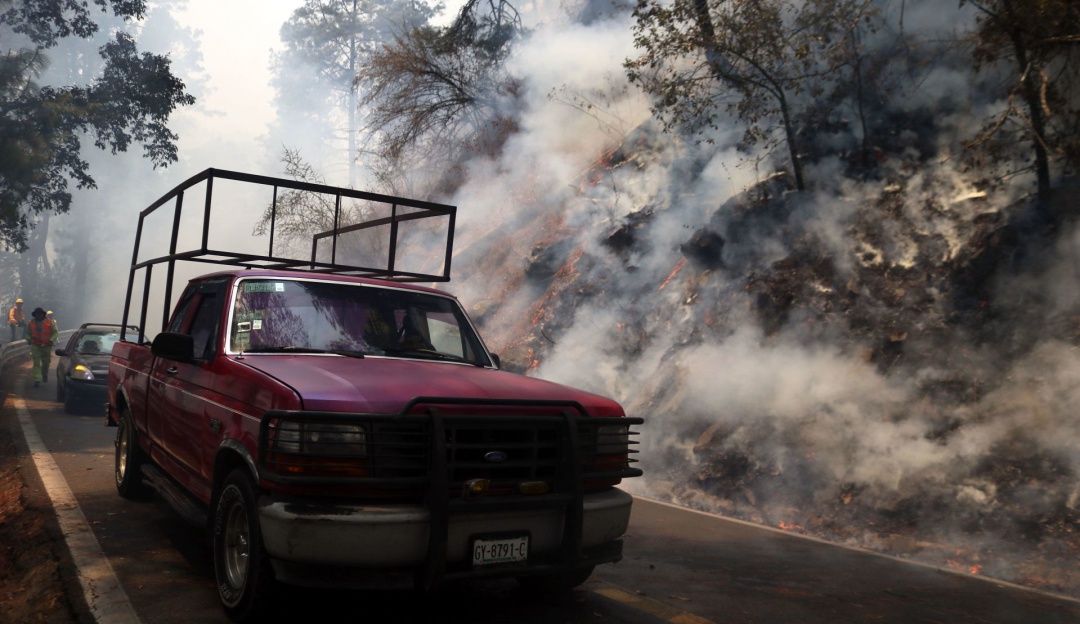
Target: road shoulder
x=37, y=576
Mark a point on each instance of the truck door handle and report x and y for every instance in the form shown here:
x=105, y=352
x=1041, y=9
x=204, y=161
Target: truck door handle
x=172, y=370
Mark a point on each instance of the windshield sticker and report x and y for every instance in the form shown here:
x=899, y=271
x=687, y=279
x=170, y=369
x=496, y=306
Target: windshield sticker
x=253, y=287
x=243, y=326
x=249, y=315
x=256, y=325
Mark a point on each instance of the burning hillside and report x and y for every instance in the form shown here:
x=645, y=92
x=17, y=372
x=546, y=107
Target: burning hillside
x=890, y=365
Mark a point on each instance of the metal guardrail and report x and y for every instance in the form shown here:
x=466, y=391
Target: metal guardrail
x=19, y=348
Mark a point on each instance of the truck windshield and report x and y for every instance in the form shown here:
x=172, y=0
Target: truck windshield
x=308, y=316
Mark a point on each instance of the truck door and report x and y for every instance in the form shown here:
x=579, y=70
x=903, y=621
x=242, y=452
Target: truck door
x=179, y=391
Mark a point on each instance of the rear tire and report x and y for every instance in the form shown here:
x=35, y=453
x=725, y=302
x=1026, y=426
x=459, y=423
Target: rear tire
x=128, y=459
x=242, y=569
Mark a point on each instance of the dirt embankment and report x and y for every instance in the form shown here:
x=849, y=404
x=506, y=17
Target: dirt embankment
x=32, y=555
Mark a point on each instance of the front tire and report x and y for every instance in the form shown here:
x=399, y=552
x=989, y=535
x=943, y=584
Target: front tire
x=128, y=459
x=71, y=405
x=242, y=569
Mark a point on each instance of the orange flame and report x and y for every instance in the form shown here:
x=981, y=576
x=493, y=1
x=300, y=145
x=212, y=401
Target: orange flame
x=678, y=267
x=961, y=566
x=568, y=268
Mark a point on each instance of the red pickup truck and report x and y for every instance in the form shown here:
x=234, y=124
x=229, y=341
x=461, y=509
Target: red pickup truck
x=334, y=424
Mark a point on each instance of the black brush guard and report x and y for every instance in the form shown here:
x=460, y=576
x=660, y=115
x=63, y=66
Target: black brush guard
x=433, y=448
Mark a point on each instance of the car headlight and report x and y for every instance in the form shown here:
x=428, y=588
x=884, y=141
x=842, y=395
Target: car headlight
x=328, y=439
x=82, y=372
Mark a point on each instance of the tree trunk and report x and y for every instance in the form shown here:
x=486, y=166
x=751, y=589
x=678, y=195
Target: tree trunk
x=792, y=143
x=1029, y=88
x=36, y=261
x=717, y=65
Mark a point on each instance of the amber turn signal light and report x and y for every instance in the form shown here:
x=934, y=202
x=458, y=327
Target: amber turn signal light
x=474, y=488
x=533, y=487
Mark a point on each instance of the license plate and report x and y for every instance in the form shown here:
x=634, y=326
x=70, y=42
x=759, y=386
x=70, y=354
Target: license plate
x=494, y=551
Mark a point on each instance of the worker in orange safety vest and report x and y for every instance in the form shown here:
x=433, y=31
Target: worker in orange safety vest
x=41, y=333
x=16, y=318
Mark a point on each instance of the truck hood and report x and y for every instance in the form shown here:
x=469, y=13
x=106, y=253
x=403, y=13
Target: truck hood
x=384, y=385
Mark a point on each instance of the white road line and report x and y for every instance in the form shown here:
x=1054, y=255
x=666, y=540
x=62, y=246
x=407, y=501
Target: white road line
x=107, y=599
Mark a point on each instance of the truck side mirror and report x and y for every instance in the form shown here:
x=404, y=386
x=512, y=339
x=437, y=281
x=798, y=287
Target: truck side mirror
x=495, y=360
x=171, y=346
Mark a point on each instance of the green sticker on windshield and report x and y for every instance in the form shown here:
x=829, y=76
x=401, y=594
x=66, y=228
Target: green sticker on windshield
x=254, y=287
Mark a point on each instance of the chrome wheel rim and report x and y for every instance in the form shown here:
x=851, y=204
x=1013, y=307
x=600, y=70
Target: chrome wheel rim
x=237, y=546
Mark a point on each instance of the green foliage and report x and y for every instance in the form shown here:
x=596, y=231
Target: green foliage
x=326, y=41
x=757, y=61
x=45, y=22
x=42, y=127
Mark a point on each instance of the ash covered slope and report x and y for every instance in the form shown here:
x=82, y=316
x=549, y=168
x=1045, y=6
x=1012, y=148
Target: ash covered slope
x=891, y=365
x=887, y=360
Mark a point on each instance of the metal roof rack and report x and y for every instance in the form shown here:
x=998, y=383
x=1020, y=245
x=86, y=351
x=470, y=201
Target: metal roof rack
x=399, y=210
x=85, y=325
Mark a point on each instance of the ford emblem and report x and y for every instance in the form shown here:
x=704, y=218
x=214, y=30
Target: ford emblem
x=495, y=457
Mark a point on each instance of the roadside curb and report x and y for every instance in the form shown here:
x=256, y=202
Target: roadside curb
x=102, y=591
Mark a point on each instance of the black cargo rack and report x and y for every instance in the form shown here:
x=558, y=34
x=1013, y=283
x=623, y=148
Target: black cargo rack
x=417, y=209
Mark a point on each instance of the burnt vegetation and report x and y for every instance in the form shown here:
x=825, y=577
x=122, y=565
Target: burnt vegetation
x=922, y=253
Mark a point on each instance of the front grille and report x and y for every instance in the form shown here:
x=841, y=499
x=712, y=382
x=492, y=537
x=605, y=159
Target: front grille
x=503, y=444
x=400, y=451
x=507, y=454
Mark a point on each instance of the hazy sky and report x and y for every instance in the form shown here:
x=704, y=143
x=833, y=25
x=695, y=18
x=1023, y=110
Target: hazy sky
x=237, y=38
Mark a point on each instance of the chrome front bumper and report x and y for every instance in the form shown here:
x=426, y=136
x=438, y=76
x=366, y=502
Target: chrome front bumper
x=397, y=536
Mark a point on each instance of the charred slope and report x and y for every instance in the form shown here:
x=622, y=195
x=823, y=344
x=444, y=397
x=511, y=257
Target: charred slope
x=891, y=367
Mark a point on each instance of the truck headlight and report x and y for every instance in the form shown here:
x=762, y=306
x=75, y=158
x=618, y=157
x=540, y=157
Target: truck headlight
x=82, y=372
x=612, y=439
x=317, y=438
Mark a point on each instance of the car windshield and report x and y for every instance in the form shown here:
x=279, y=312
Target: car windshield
x=307, y=316
x=91, y=343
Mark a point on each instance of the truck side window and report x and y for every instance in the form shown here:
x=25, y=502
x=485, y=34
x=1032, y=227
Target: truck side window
x=177, y=323
x=204, y=325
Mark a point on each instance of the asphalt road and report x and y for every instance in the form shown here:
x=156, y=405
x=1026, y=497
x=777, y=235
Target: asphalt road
x=680, y=566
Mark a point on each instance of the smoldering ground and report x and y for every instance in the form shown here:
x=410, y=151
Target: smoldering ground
x=887, y=363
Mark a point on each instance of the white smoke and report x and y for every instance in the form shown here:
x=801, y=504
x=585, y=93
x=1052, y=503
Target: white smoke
x=803, y=405
x=811, y=409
